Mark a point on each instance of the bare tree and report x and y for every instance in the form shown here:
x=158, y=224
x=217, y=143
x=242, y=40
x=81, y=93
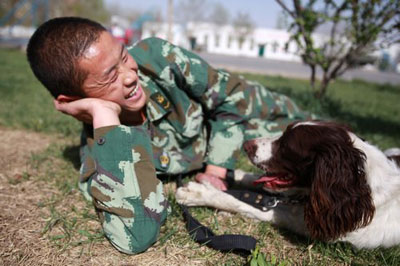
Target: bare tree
x=219, y=15
x=28, y=13
x=356, y=29
x=191, y=10
x=243, y=27
x=127, y=12
x=282, y=21
x=93, y=9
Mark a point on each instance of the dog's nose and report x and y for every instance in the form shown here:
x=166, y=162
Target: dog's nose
x=250, y=148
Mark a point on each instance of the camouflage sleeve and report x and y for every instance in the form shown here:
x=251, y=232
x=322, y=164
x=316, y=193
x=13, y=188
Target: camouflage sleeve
x=221, y=94
x=234, y=108
x=118, y=174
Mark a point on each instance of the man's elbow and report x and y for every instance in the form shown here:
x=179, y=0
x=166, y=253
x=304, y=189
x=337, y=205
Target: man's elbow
x=131, y=237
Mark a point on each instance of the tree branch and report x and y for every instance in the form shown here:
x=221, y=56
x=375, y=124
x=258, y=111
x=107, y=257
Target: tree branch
x=291, y=13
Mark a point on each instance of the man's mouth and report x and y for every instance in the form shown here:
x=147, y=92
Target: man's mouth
x=134, y=91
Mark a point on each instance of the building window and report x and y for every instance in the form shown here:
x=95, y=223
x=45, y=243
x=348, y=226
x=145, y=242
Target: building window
x=216, y=40
x=251, y=44
x=241, y=40
x=275, y=46
x=205, y=40
x=229, y=41
x=287, y=48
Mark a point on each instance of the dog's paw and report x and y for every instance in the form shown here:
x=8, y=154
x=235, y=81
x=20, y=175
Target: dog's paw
x=195, y=194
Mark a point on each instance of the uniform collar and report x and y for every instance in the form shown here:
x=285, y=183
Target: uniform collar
x=157, y=105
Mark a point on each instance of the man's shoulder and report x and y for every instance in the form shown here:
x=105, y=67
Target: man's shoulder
x=150, y=51
x=149, y=44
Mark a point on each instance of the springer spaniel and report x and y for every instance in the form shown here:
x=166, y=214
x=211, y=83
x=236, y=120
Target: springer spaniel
x=352, y=188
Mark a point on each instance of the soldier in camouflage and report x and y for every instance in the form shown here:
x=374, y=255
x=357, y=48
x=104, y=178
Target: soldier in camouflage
x=148, y=110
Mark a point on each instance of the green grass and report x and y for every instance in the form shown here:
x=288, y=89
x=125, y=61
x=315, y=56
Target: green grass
x=371, y=110
x=24, y=102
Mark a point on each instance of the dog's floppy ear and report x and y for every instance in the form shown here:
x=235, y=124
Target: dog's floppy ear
x=340, y=198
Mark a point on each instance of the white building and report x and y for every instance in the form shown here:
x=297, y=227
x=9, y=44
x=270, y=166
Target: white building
x=260, y=42
x=208, y=37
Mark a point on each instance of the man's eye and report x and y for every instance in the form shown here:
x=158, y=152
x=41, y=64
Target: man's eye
x=114, y=76
x=113, y=73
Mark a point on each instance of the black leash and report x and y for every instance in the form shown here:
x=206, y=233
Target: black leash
x=240, y=244
x=265, y=201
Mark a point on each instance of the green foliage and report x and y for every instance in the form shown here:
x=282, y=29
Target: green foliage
x=257, y=258
x=356, y=29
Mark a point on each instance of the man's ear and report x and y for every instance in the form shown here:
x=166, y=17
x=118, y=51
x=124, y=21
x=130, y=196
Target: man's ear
x=67, y=98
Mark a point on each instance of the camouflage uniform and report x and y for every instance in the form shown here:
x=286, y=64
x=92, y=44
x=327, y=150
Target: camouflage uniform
x=196, y=115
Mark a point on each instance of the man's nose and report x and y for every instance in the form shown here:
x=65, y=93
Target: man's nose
x=130, y=77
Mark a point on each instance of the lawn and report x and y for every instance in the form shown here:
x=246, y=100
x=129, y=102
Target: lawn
x=45, y=220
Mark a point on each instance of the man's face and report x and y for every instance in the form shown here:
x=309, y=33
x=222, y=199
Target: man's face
x=112, y=74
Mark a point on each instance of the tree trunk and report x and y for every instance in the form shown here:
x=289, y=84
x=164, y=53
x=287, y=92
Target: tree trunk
x=320, y=94
x=312, y=78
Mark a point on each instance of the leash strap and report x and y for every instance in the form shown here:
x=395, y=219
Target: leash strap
x=241, y=244
x=261, y=201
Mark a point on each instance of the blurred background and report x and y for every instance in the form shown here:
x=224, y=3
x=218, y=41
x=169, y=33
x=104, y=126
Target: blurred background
x=295, y=47
x=245, y=36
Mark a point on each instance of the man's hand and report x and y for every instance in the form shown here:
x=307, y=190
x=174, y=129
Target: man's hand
x=215, y=175
x=94, y=111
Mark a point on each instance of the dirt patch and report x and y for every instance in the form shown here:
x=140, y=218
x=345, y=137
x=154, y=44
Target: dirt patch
x=23, y=218
x=20, y=218
x=16, y=148
x=30, y=205
x=44, y=219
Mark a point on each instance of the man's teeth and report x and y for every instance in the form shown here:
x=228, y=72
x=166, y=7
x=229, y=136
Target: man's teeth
x=134, y=91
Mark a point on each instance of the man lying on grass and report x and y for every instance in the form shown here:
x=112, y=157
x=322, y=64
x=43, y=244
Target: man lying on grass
x=150, y=110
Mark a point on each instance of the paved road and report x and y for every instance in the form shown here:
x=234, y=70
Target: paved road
x=13, y=42
x=290, y=69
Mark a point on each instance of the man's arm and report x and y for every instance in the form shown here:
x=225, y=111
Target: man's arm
x=98, y=112
x=220, y=94
x=214, y=175
x=118, y=174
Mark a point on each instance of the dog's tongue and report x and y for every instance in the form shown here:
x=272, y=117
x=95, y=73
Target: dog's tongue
x=265, y=179
x=270, y=181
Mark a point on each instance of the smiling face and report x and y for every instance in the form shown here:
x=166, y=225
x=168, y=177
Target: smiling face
x=112, y=74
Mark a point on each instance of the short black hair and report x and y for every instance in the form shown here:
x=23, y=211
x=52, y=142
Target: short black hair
x=54, y=51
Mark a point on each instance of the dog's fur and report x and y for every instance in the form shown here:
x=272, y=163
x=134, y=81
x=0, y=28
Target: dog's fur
x=353, y=189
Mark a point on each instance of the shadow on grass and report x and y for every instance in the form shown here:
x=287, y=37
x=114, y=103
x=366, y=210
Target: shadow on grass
x=71, y=154
x=386, y=87
x=360, y=123
x=345, y=252
x=330, y=108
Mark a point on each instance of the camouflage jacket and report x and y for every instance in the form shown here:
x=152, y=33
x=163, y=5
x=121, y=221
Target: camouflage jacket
x=196, y=115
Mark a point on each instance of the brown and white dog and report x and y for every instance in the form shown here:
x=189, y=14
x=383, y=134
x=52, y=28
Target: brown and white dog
x=352, y=188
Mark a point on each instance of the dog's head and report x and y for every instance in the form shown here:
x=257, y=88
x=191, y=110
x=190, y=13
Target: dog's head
x=321, y=158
